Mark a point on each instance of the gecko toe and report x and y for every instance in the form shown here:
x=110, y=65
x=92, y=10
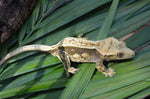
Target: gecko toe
x=109, y=72
x=73, y=70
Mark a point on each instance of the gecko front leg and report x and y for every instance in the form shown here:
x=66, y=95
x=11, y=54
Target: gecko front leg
x=66, y=62
x=107, y=72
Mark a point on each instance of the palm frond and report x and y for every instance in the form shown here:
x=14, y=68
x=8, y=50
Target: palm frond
x=40, y=75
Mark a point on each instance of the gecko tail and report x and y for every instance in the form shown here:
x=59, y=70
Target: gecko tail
x=43, y=48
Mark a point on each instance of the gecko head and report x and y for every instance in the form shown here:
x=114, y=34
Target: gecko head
x=125, y=53
x=117, y=50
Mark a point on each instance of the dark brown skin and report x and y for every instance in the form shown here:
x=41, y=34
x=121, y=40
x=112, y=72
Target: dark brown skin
x=12, y=15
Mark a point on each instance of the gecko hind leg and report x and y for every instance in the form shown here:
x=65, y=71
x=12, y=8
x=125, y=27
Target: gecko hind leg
x=66, y=62
x=107, y=72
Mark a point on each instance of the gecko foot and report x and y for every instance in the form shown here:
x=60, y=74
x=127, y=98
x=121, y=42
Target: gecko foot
x=81, y=35
x=109, y=72
x=73, y=70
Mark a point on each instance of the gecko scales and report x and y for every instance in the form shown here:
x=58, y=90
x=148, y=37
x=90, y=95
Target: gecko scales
x=82, y=50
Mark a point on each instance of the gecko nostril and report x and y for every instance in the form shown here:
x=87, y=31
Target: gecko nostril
x=133, y=55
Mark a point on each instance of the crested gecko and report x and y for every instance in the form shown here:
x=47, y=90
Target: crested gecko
x=82, y=50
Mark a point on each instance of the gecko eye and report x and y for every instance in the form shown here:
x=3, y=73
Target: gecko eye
x=119, y=54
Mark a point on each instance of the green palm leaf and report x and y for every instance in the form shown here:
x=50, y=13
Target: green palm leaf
x=40, y=75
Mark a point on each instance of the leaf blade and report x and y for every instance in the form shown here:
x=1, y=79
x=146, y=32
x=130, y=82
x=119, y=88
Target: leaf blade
x=78, y=83
x=108, y=20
